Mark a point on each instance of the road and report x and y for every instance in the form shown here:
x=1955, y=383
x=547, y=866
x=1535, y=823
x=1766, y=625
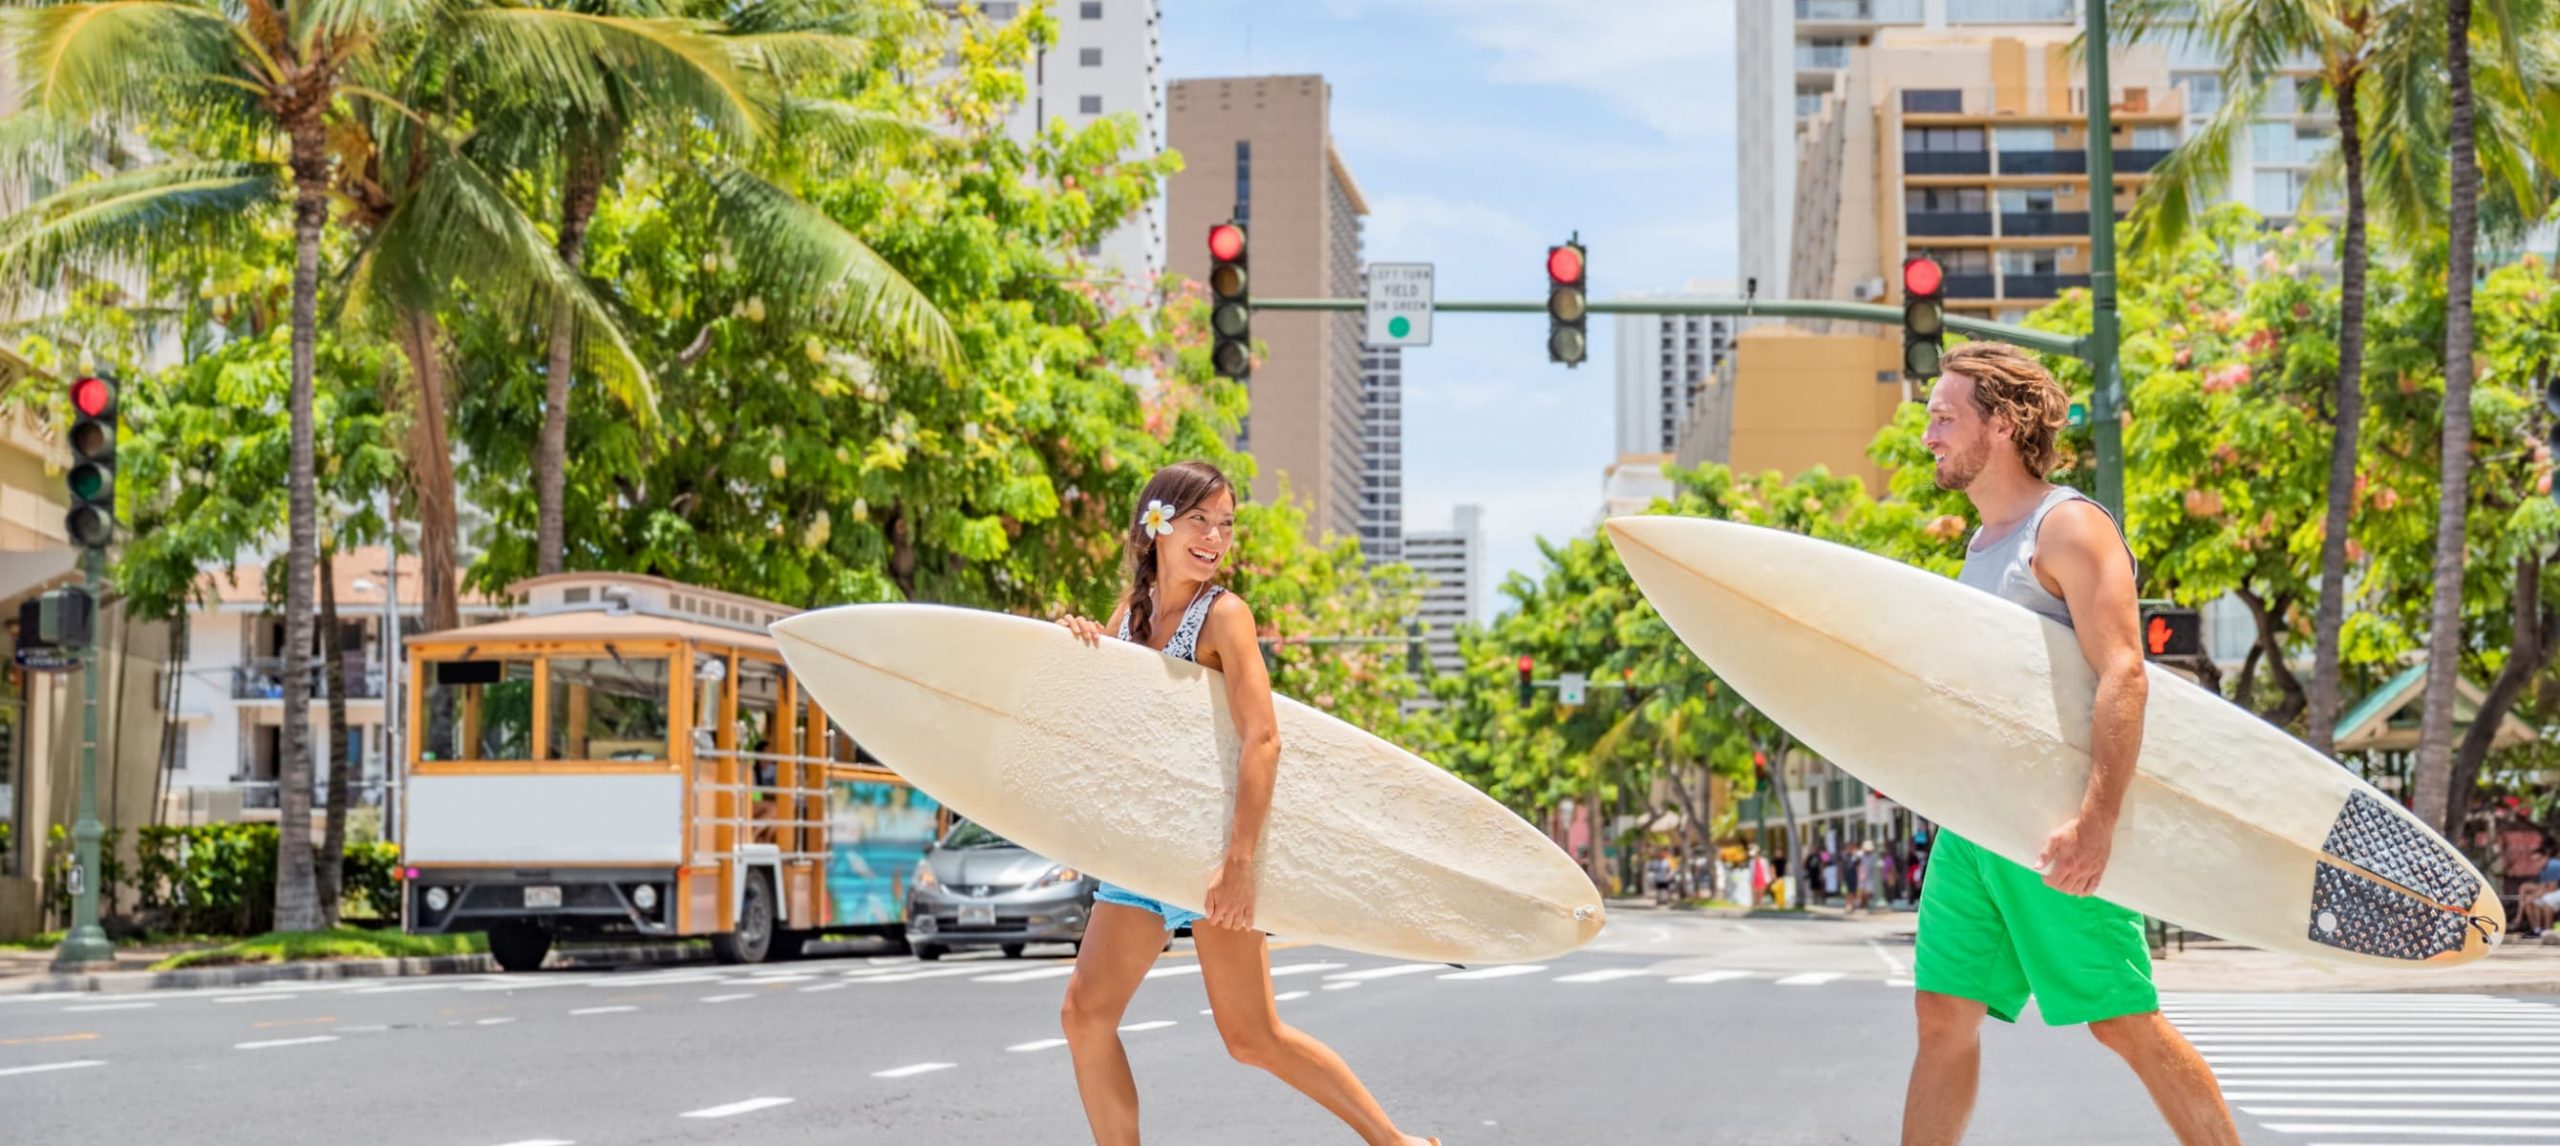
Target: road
x=1661, y=1032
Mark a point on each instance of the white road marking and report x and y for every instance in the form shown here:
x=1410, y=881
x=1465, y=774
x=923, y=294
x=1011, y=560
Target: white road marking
x=604, y=1010
x=1305, y=969
x=2545, y=1133
x=1503, y=972
x=1388, y=972
x=1030, y=975
x=1745, y=928
x=913, y=1070
x=2360, y=1060
x=405, y=987
x=43, y=1067
x=1156, y=1025
x=748, y=1106
x=544, y=1142
x=1809, y=979
x=1890, y=963
x=653, y=980
x=1340, y=986
x=1900, y=983
x=497, y=1022
x=1713, y=977
x=1168, y=971
x=1036, y=1045
x=306, y=1040
x=2483, y=1077
x=1288, y=996
x=912, y=976
x=2389, y=1096
x=725, y=998
x=1601, y=976
x=108, y=1007
x=255, y=999
x=827, y=987
x=770, y=980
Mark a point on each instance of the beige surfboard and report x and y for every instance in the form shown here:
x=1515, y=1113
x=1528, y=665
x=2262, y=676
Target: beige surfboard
x=1974, y=712
x=1120, y=761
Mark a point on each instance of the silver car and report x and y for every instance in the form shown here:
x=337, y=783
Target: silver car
x=975, y=888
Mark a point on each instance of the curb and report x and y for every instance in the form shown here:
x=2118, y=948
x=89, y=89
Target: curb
x=321, y=970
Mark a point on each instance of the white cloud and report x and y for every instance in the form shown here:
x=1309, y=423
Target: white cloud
x=1415, y=224
x=1361, y=130
x=1666, y=63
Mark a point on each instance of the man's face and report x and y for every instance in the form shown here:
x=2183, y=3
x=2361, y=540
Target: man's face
x=1958, y=435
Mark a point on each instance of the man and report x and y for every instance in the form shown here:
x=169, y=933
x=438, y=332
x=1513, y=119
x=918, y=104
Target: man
x=1993, y=933
x=2540, y=895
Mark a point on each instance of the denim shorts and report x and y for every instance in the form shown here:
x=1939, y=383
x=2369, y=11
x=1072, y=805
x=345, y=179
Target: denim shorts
x=1175, y=918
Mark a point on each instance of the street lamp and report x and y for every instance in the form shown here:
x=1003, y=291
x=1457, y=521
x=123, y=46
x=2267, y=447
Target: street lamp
x=391, y=706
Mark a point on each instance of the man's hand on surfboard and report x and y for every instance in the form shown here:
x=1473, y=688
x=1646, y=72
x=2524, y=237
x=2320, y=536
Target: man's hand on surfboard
x=1230, y=902
x=2075, y=855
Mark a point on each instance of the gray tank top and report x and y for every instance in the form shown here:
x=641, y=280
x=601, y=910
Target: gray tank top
x=2006, y=568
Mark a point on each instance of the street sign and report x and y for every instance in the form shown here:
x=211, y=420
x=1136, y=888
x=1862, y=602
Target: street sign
x=1399, y=304
x=1569, y=689
x=40, y=658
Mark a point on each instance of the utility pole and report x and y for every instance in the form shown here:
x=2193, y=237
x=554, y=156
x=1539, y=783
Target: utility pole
x=87, y=942
x=2106, y=390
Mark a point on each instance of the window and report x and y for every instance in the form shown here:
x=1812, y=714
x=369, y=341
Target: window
x=1933, y=100
x=1089, y=105
x=609, y=709
x=1942, y=139
x=1089, y=57
x=2042, y=262
x=2014, y=140
x=2154, y=138
x=2018, y=200
x=479, y=710
x=1927, y=199
x=1244, y=182
x=1089, y=10
x=2204, y=92
x=1001, y=10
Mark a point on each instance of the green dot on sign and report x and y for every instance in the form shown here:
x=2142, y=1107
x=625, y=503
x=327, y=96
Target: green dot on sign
x=1399, y=326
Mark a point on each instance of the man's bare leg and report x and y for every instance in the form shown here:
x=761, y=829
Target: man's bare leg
x=1946, y=1072
x=2181, y=1085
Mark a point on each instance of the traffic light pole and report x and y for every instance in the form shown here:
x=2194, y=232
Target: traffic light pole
x=2106, y=390
x=2044, y=341
x=87, y=942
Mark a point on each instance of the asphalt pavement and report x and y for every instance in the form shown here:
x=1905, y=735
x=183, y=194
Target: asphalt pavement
x=1665, y=1034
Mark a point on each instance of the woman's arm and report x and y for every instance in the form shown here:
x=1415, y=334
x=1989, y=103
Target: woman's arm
x=1231, y=634
x=1092, y=634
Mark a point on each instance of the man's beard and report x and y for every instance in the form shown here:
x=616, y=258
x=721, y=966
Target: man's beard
x=1959, y=469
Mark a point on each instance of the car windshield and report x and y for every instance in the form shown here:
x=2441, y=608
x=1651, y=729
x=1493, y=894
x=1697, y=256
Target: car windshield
x=967, y=836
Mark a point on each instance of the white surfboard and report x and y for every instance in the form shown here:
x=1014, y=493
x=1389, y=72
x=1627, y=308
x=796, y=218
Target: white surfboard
x=1974, y=712
x=1120, y=762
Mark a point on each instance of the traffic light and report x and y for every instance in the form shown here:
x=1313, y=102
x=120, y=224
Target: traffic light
x=59, y=618
x=1230, y=305
x=92, y=521
x=2172, y=634
x=1924, y=316
x=1568, y=303
x=1629, y=676
x=1526, y=664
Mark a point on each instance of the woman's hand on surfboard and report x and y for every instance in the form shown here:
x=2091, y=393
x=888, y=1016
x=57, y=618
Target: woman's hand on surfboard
x=1230, y=902
x=2075, y=855
x=1087, y=631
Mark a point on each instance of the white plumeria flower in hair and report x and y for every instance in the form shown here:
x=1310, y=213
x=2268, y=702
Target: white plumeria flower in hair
x=1158, y=519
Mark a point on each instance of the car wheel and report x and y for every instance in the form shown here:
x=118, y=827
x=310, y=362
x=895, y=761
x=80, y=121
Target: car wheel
x=1011, y=950
x=519, y=946
x=928, y=951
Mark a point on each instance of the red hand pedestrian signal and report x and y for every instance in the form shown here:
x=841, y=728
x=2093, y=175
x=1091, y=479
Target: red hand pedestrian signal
x=2157, y=636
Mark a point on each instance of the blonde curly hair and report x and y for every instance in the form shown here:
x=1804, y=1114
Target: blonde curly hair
x=2010, y=386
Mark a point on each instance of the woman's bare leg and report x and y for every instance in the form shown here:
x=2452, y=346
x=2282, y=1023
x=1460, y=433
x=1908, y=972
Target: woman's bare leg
x=1120, y=944
x=1236, y=968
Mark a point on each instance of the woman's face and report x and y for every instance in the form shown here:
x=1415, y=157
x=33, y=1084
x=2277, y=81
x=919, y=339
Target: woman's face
x=1200, y=538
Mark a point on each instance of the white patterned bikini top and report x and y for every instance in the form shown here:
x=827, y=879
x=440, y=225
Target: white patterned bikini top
x=1185, y=644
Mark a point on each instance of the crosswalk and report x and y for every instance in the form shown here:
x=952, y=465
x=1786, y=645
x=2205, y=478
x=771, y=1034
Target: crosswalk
x=2371, y=1070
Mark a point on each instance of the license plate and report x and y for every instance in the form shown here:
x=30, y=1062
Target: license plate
x=542, y=897
x=977, y=915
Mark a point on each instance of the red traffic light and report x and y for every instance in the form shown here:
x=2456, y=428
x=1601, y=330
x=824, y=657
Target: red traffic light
x=1564, y=264
x=1526, y=662
x=1921, y=275
x=93, y=397
x=1226, y=242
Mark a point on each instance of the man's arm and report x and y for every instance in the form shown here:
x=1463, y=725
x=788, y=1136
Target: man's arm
x=2078, y=551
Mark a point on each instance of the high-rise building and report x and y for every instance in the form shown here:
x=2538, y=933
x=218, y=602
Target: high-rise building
x=1108, y=60
x=1451, y=562
x=1382, y=454
x=1259, y=150
x=1664, y=362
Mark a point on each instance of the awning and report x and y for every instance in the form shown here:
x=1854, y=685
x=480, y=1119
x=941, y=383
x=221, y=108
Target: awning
x=35, y=570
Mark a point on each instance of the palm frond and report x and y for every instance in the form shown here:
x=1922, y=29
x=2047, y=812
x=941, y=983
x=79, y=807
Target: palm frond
x=815, y=263
x=120, y=59
x=2404, y=117
x=315, y=18
x=35, y=144
x=577, y=58
x=2186, y=183
x=132, y=219
x=458, y=228
x=845, y=131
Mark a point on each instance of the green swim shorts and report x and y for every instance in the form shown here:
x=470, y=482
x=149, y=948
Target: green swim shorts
x=1993, y=932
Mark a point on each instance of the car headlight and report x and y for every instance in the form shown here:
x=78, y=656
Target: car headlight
x=1057, y=875
x=645, y=897
x=438, y=899
x=924, y=880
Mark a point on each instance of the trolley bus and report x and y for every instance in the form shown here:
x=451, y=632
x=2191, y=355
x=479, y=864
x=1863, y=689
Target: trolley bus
x=630, y=756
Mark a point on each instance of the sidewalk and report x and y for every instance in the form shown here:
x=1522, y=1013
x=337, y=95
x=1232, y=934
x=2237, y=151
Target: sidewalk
x=31, y=972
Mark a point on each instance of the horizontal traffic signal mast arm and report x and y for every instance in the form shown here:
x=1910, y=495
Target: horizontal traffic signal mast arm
x=1875, y=314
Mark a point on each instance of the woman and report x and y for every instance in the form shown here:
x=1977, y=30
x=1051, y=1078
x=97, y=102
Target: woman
x=1176, y=547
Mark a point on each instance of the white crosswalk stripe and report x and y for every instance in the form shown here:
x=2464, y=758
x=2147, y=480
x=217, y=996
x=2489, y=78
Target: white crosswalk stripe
x=2373, y=1070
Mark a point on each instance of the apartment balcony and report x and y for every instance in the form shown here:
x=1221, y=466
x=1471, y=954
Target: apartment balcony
x=1858, y=11
x=2042, y=286
x=1947, y=223
x=2139, y=160
x=1971, y=286
x=2041, y=224
x=264, y=680
x=2058, y=106
x=1821, y=57
x=1946, y=163
x=2055, y=162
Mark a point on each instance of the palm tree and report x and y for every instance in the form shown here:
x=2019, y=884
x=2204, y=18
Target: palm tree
x=2259, y=42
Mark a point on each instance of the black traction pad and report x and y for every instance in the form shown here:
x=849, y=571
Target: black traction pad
x=2372, y=836
x=2353, y=913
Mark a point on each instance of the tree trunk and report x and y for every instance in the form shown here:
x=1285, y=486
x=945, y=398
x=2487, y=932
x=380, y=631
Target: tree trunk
x=2349, y=417
x=2245, y=693
x=580, y=187
x=297, y=903
x=2434, y=803
x=903, y=558
x=431, y=473
x=2530, y=647
x=333, y=826
x=173, y=689
x=1591, y=815
x=2271, y=645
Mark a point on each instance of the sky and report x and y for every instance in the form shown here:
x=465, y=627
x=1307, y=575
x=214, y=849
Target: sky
x=1481, y=132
